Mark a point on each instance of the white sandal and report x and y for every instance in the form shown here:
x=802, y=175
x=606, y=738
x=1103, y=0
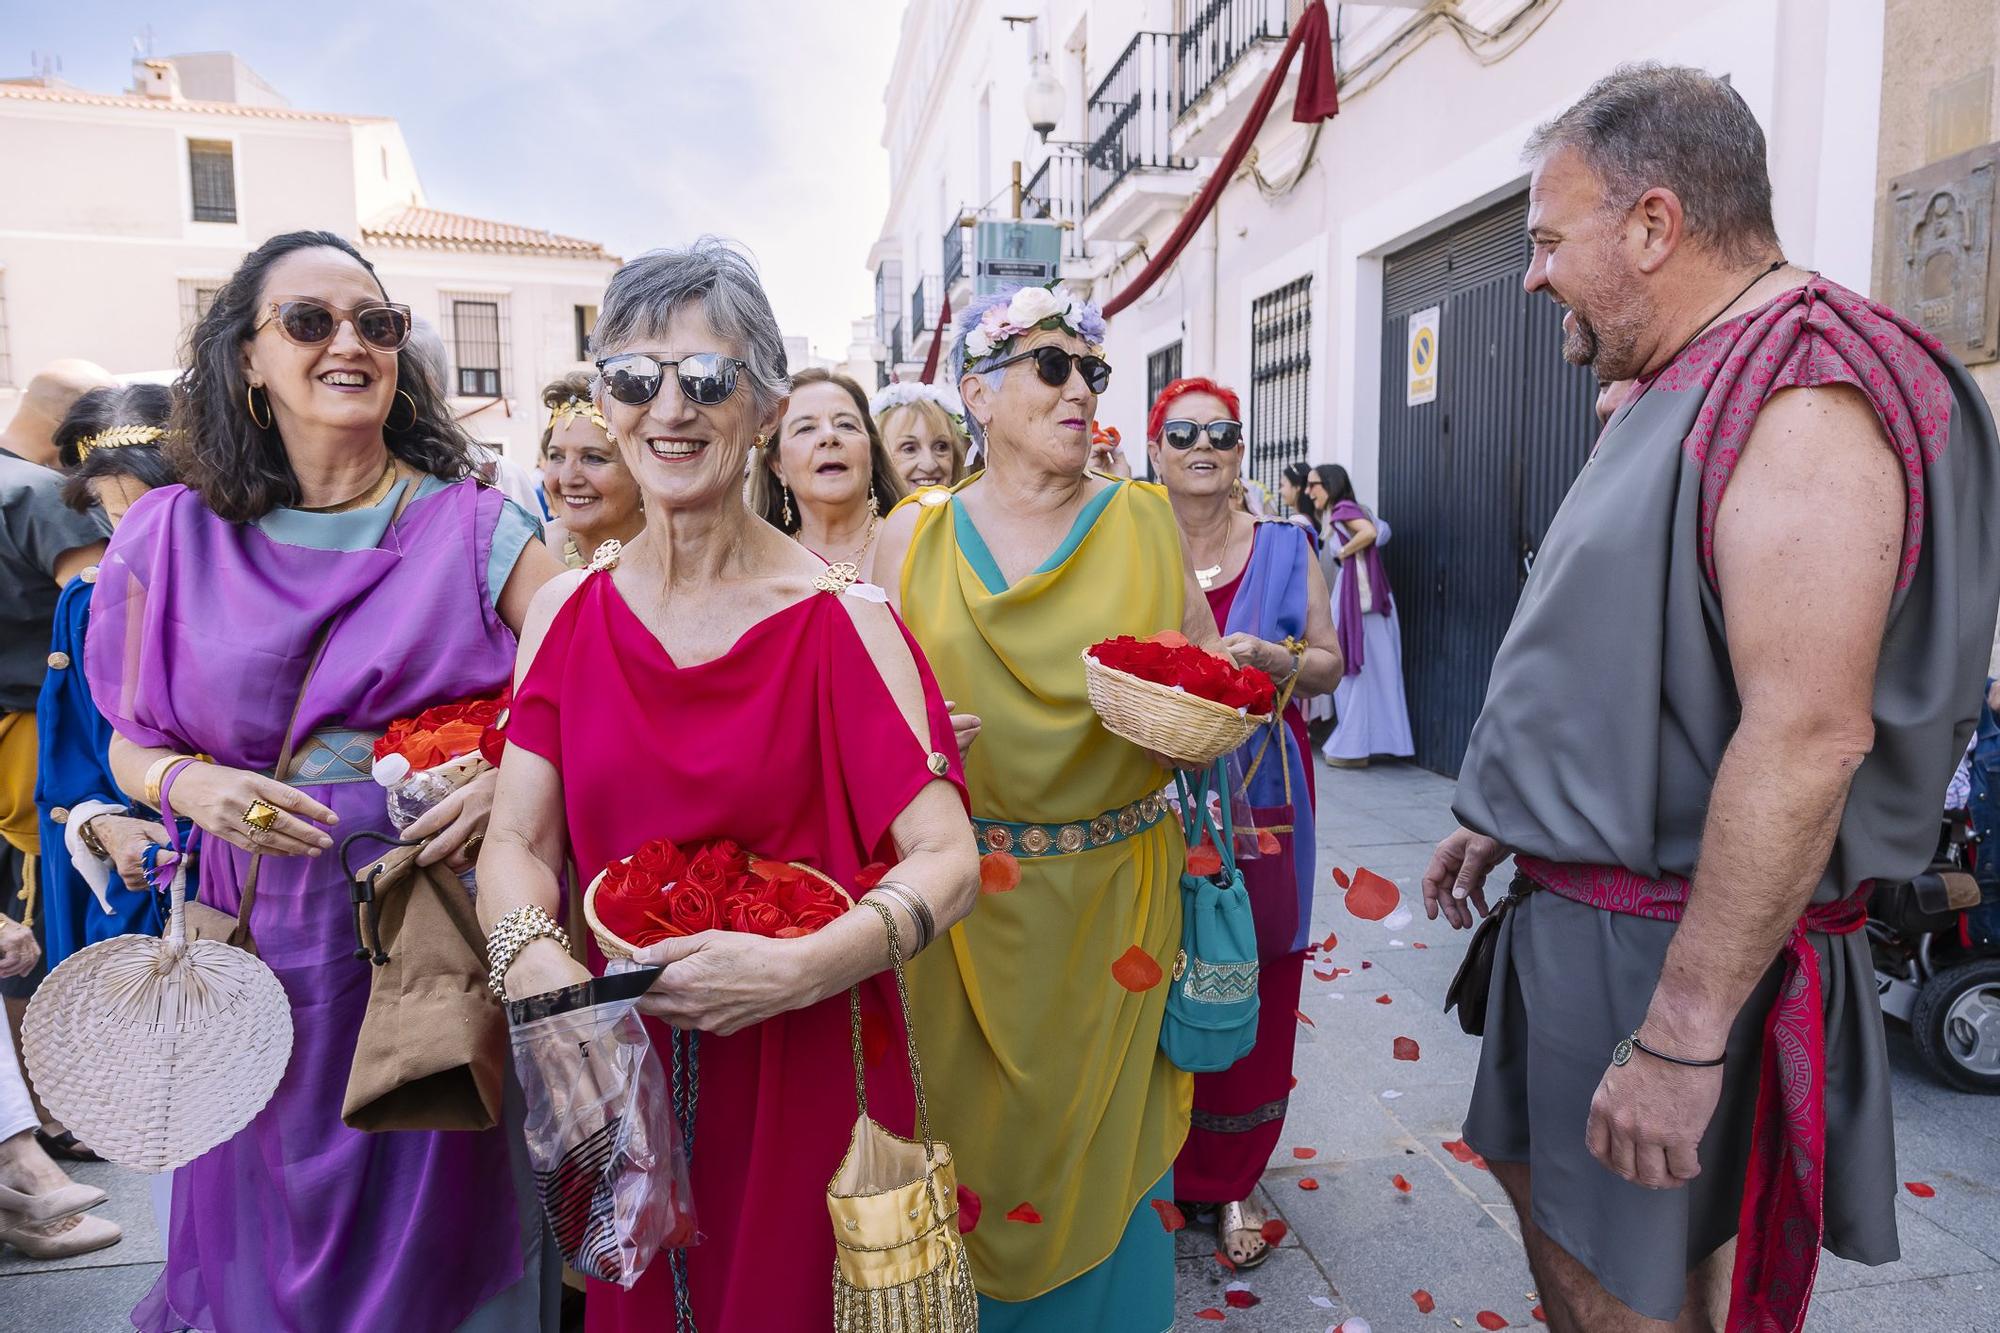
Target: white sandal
x=1230, y=1222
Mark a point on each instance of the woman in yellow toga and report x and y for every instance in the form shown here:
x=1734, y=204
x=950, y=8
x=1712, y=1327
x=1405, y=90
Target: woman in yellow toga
x=1044, y=1072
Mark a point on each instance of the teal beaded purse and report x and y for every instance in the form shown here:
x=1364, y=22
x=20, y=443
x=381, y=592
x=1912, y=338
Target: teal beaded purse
x=1211, y=1018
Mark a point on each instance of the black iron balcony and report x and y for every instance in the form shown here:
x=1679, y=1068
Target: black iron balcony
x=896, y=344
x=1056, y=192
x=954, y=254
x=1218, y=33
x=917, y=321
x=1131, y=115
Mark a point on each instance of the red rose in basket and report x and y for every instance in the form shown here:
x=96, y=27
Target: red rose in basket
x=1180, y=702
x=664, y=890
x=1169, y=659
x=423, y=759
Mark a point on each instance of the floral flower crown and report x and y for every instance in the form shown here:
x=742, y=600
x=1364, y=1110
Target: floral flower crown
x=1031, y=308
x=904, y=392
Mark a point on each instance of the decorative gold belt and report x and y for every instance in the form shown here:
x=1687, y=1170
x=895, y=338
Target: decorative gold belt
x=1005, y=835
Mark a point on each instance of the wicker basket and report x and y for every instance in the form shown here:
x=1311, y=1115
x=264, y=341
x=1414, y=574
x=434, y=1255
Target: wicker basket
x=1184, y=727
x=154, y=1049
x=614, y=947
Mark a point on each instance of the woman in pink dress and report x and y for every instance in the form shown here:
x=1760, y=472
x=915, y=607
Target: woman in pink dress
x=715, y=679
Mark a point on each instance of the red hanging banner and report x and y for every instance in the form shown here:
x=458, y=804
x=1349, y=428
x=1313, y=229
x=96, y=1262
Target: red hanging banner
x=1318, y=99
x=938, y=342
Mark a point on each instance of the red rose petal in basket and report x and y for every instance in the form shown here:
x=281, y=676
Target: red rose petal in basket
x=1406, y=1049
x=1424, y=1302
x=1204, y=860
x=1275, y=1231
x=1308, y=1183
x=1171, y=1217
x=968, y=1209
x=1211, y=1314
x=1023, y=1212
x=1241, y=1298
x=1169, y=638
x=1372, y=897
x=999, y=872
x=1487, y=1319
x=1305, y=1154
x=1921, y=1190
x=1136, y=970
x=1400, y=1182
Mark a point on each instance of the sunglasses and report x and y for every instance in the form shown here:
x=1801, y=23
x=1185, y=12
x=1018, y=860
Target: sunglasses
x=311, y=323
x=1053, y=365
x=634, y=378
x=1181, y=433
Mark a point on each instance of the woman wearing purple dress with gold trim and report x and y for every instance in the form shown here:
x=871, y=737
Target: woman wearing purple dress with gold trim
x=330, y=553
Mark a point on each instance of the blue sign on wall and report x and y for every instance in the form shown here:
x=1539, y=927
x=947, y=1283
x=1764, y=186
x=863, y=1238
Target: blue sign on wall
x=1015, y=253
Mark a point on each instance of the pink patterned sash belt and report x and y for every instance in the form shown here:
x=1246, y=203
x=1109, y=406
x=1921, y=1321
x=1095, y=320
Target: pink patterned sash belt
x=1782, y=1221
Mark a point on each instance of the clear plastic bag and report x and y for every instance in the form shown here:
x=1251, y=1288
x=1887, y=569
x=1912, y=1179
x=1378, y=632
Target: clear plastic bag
x=602, y=1139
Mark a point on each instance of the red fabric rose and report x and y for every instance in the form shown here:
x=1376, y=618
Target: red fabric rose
x=691, y=908
x=705, y=872
x=758, y=918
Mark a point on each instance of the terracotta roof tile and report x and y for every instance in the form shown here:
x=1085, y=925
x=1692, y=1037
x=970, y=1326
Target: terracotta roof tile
x=431, y=228
x=35, y=92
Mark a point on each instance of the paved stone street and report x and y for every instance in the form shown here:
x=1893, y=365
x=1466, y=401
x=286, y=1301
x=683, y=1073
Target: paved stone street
x=1357, y=1246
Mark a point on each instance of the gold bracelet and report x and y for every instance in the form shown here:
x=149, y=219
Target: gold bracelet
x=513, y=933
x=157, y=774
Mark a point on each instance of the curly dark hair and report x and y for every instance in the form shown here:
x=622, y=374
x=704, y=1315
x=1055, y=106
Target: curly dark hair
x=238, y=468
x=100, y=410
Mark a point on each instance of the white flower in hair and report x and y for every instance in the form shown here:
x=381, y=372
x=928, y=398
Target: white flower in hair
x=978, y=343
x=1032, y=305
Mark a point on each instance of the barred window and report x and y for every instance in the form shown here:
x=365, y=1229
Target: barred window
x=586, y=324
x=212, y=175
x=1162, y=368
x=481, y=348
x=1280, y=380
x=197, y=295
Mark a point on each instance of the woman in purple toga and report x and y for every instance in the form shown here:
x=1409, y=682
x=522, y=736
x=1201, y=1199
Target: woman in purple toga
x=328, y=529
x=1371, y=715
x=1269, y=598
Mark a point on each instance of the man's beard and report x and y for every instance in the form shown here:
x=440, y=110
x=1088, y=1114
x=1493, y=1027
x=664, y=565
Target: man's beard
x=1608, y=351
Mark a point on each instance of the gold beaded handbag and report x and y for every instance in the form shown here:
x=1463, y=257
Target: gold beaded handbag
x=900, y=1265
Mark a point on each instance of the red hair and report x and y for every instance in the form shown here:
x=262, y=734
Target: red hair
x=1157, y=418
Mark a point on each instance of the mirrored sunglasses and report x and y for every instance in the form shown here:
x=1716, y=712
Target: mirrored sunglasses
x=1181, y=433
x=634, y=378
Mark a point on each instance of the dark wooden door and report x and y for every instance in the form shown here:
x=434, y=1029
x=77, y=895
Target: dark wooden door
x=1471, y=480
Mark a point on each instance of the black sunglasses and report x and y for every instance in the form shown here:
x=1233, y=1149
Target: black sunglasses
x=312, y=323
x=1180, y=433
x=1053, y=365
x=634, y=378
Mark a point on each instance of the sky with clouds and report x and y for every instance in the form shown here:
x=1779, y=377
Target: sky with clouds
x=635, y=123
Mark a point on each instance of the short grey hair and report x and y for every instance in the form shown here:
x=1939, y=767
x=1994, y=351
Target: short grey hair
x=1647, y=126
x=644, y=294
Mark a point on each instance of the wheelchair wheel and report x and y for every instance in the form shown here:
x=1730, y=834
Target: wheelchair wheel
x=1956, y=1023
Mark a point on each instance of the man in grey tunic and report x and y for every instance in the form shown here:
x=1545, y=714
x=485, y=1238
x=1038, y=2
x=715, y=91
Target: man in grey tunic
x=1751, y=651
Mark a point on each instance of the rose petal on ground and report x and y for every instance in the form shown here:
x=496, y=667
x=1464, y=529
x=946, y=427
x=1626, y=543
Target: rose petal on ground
x=1921, y=1190
x=1355, y=1325
x=1418, y=944
x=968, y=1209
x=1459, y=1148
x=1023, y=1212
x=1424, y=1302
x=1390, y=1094
x=1322, y=1302
x=1406, y=1049
x=1204, y=860
x=1537, y=1315
x=1211, y=1314
x=1331, y=942
x=1326, y=976
x=1383, y=999
x=1308, y=1183
x=1397, y=919
x=1136, y=970
x=1489, y=1320
x=1340, y=877
x=1240, y=1299
x=1305, y=1154
x=1295, y=1080
x=1400, y=1182
x=998, y=872
x=1303, y=1019
x=1274, y=1231
x=1372, y=897
x=1227, y=1263
x=1365, y=965
x=1171, y=1217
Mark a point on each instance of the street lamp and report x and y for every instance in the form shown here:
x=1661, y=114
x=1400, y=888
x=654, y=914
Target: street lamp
x=1044, y=97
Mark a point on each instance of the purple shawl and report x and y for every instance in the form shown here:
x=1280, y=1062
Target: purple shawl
x=1347, y=615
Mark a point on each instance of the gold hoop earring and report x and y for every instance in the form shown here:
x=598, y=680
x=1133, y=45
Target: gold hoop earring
x=250, y=403
x=786, y=491
x=404, y=396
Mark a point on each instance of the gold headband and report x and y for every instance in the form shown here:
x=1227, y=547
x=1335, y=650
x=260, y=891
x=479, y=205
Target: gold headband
x=579, y=407
x=117, y=438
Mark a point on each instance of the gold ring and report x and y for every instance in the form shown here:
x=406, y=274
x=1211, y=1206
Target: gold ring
x=260, y=815
x=472, y=846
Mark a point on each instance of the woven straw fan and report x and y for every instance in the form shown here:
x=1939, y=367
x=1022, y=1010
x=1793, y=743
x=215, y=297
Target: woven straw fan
x=155, y=1049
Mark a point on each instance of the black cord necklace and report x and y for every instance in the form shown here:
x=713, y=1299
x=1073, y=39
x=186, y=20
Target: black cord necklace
x=1647, y=387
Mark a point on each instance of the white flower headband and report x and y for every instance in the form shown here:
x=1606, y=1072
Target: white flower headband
x=903, y=393
x=1050, y=307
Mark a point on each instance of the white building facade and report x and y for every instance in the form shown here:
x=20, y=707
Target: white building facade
x=1333, y=245
x=124, y=212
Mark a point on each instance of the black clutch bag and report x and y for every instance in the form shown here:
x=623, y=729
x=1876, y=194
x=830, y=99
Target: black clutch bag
x=1468, y=990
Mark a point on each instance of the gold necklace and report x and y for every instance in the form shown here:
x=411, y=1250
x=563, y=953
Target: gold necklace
x=867, y=536
x=367, y=499
x=1207, y=577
